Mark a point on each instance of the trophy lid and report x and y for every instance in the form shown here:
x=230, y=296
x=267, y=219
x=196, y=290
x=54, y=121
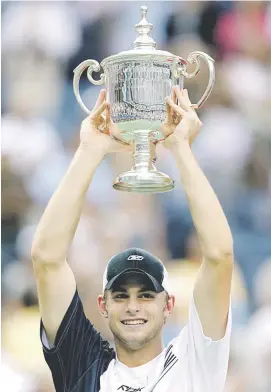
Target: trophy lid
x=143, y=28
x=143, y=47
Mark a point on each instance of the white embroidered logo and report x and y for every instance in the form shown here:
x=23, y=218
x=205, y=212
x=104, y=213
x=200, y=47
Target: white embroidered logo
x=135, y=257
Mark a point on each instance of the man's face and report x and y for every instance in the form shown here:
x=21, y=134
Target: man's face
x=136, y=314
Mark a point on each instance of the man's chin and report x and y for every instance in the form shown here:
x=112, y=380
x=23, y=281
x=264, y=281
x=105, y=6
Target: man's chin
x=131, y=340
x=134, y=344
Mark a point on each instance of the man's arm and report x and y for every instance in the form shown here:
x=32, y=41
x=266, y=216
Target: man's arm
x=55, y=280
x=213, y=283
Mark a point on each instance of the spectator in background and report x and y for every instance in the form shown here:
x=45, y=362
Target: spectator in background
x=208, y=18
x=245, y=29
x=15, y=201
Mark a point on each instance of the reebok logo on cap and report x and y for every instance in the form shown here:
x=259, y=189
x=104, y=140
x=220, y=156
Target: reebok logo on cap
x=135, y=257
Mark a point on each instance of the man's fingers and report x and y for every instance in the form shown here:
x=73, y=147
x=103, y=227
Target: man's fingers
x=177, y=92
x=107, y=116
x=185, y=93
x=169, y=112
x=124, y=147
x=100, y=99
x=116, y=134
x=182, y=98
x=174, y=96
x=175, y=107
x=99, y=110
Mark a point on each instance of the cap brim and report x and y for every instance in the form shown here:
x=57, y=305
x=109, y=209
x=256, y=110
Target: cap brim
x=156, y=286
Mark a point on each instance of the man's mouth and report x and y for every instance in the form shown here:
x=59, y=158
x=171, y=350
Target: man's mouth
x=134, y=322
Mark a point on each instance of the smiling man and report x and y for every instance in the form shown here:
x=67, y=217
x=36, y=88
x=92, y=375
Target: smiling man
x=136, y=297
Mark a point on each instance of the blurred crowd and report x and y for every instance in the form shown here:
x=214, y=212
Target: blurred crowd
x=42, y=42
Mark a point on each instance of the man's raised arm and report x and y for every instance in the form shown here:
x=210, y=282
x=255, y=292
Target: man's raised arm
x=55, y=280
x=213, y=284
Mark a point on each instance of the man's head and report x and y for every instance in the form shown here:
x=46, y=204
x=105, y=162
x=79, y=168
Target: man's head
x=136, y=299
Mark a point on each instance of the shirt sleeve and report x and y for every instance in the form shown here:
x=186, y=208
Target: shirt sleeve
x=208, y=359
x=77, y=347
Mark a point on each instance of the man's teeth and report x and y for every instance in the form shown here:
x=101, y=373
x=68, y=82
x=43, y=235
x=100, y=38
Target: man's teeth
x=134, y=322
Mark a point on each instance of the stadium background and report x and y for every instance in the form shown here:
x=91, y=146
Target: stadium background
x=42, y=42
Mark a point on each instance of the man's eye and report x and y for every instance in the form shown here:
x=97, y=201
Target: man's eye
x=120, y=296
x=147, y=295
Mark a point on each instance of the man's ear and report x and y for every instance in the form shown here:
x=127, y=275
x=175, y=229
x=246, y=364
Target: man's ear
x=169, y=306
x=102, y=305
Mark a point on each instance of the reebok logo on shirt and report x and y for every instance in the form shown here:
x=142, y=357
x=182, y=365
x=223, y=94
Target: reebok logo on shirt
x=129, y=389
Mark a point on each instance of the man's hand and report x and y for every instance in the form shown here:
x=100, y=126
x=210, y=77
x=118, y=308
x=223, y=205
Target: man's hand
x=99, y=132
x=182, y=123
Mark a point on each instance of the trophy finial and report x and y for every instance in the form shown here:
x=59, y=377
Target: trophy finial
x=144, y=10
x=143, y=28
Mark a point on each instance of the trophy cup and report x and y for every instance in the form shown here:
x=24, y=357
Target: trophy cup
x=137, y=82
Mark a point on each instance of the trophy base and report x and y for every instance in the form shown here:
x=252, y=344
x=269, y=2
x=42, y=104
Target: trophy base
x=143, y=182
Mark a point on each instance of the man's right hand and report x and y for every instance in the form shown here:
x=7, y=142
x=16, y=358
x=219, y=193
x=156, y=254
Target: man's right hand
x=98, y=130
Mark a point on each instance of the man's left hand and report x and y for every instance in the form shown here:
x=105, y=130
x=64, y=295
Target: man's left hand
x=182, y=123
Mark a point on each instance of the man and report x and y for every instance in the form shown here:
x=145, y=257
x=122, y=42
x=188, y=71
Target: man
x=136, y=298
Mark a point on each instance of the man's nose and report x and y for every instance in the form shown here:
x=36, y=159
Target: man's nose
x=133, y=306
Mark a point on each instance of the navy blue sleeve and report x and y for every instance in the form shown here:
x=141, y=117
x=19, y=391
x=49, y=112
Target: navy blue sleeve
x=80, y=355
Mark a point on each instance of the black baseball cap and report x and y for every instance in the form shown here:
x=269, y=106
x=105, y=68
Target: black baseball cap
x=136, y=261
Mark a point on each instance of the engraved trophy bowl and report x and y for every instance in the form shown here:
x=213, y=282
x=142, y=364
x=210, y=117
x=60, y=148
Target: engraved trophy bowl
x=137, y=82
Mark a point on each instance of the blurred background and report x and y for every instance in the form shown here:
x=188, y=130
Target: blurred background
x=42, y=42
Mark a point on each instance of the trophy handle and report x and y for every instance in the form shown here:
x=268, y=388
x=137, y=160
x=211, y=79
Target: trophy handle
x=93, y=66
x=195, y=57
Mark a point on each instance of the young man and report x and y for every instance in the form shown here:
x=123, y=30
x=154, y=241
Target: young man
x=136, y=298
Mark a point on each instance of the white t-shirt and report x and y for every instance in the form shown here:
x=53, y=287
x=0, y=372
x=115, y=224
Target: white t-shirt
x=192, y=362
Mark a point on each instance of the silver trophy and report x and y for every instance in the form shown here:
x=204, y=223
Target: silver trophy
x=137, y=82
